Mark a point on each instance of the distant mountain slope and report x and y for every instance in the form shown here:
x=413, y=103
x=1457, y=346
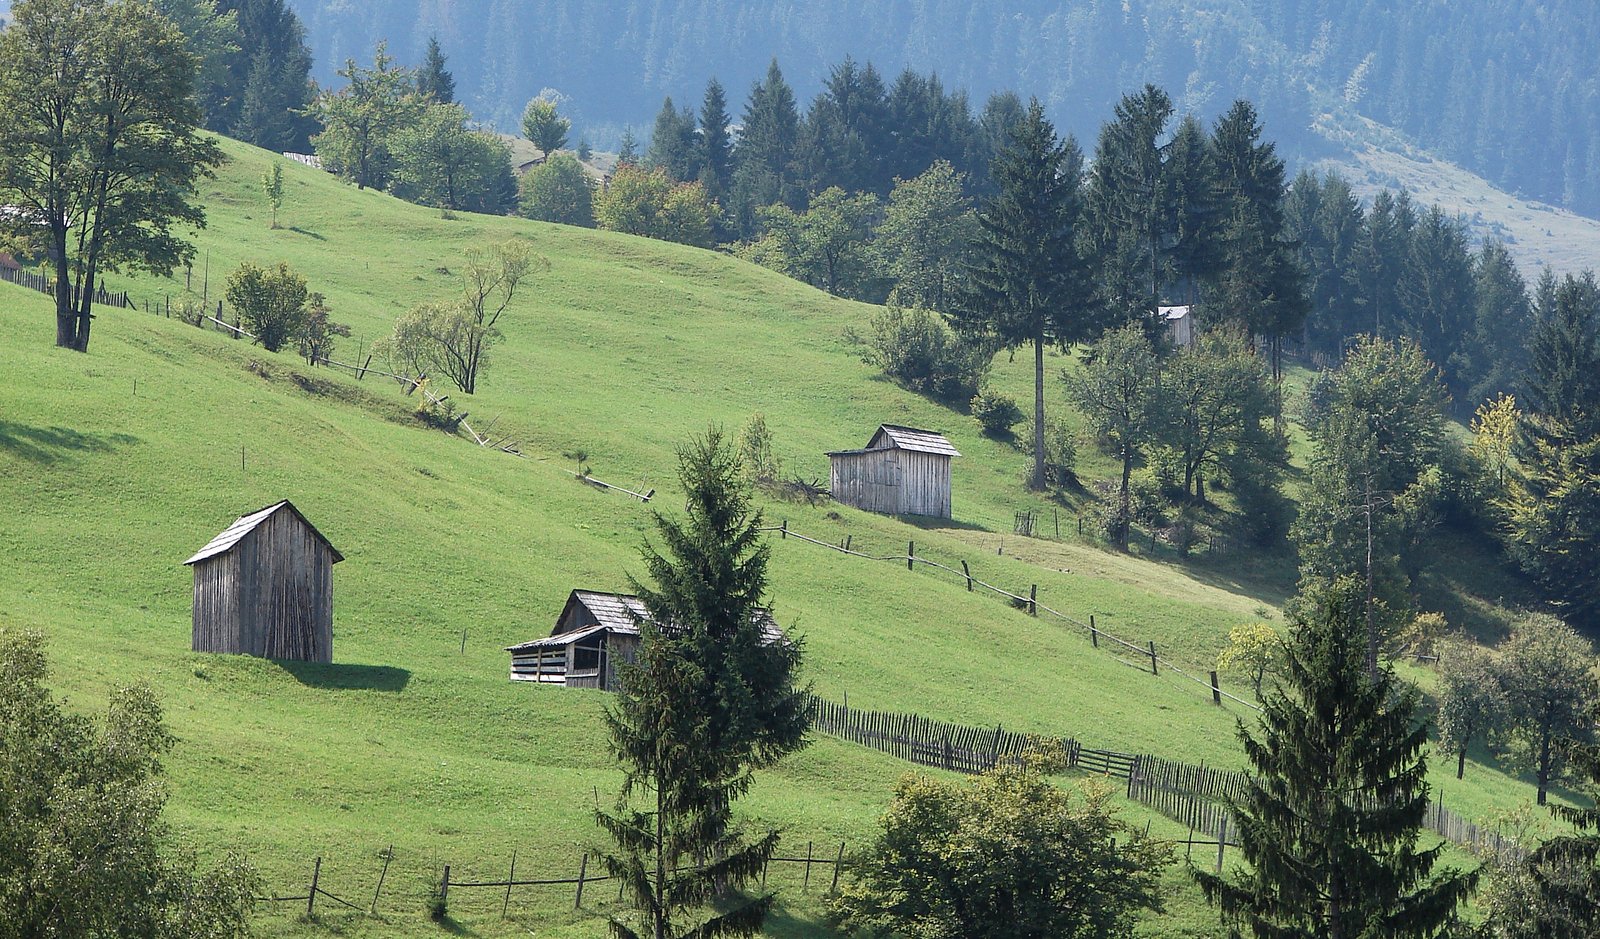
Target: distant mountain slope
x=1506, y=88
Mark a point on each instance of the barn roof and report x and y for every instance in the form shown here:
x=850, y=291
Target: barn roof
x=616, y=611
x=896, y=437
x=245, y=524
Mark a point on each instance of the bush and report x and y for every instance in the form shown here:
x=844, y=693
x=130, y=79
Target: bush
x=1060, y=455
x=558, y=190
x=761, y=466
x=917, y=350
x=270, y=300
x=1146, y=504
x=996, y=412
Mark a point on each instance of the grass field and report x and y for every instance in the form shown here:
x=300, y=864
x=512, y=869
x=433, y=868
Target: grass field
x=115, y=466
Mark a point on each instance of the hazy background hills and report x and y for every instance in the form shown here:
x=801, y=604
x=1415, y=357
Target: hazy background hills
x=1506, y=88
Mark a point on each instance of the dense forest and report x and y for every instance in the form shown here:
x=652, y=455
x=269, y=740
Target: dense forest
x=1505, y=88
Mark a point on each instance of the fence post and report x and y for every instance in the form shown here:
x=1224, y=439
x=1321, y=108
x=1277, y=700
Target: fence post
x=783, y=530
x=1216, y=689
x=583, y=870
x=837, y=863
x=911, y=554
x=804, y=884
x=1033, y=600
x=511, y=877
x=967, y=571
x=947, y=753
x=1094, y=634
x=387, y=857
x=444, y=890
x=311, y=895
x=1153, y=658
x=1222, y=841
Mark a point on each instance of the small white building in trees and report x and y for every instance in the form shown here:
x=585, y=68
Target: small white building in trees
x=1179, y=324
x=264, y=587
x=901, y=471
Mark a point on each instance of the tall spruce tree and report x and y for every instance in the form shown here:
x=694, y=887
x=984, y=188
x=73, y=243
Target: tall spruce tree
x=1130, y=214
x=1029, y=283
x=764, y=171
x=1565, y=871
x=434, y=81
x=716, y=145
x=1553, y=504
x=673, y=145
x=1495, y=355
x=270, y=69
x=1335, y=799
x=711, y=699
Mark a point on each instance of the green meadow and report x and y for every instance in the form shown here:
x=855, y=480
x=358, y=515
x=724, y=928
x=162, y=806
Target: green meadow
x=117, y=465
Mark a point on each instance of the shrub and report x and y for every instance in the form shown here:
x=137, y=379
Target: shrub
x=996, y=412
x=558, y=190
x=761, y=465
x=916, y=349
x=1060, y=454
x=1146, y=504
x=270, y=300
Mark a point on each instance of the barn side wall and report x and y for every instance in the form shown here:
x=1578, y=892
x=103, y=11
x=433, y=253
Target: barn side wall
x=892, y=482
x=216, y=605
x=289, y=600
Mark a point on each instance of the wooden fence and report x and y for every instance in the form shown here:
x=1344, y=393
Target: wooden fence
x=1198, y=797
x=1141, y=656
x=46, y=285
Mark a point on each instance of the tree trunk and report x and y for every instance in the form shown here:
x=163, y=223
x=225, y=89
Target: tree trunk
x=1372, y=625
x=1461, y=761
x=1123, y=521
x=66, y=317
x=1037, y=481
x=1200, y=488
x=1544, y=764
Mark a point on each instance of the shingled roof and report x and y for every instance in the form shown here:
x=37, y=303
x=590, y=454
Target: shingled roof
x=245, y=524
x=616, y=612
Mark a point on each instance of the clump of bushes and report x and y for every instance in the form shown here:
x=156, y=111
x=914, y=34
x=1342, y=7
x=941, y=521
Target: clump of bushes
x=918, y=350
x=996, y=412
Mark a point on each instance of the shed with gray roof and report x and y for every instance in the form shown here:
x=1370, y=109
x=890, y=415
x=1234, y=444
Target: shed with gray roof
x=901, y=471
x=595, y=634
x=264, y=587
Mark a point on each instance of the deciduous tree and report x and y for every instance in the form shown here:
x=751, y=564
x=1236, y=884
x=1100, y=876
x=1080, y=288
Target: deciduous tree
x=543, y=125
x=359, y=119
x=926, y=237
x=1006, y=856
x=439, y=162
x=1472, y=702
x=99, y=155
x=271, y=301
x=84, y=851
x=1548, y=671
x=558, y=190
x=1116, y=389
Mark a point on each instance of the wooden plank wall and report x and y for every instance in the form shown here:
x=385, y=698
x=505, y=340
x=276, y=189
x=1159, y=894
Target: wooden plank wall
x=271, y=595
x=893, y=482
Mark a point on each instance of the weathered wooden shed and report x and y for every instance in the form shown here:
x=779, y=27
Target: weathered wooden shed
x=1179, y=324
x=901, y=471
x=264, y=587
x=595, y=634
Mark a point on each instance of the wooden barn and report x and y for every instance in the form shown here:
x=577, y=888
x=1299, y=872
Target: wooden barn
x=901, y=471
x=595, y=634
x=1178, y=322
x=264, y=587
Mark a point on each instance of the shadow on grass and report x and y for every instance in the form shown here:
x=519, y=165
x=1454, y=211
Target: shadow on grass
x=53, y=444
x=935, y=523
x=339, y=677
x=309, y=234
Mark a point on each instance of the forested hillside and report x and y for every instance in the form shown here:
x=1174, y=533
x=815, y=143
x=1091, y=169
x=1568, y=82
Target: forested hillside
x=1505, y=88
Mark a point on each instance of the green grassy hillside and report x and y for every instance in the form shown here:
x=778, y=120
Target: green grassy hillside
x=116, y=465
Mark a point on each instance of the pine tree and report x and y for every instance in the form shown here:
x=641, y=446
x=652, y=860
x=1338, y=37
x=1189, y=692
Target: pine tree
x=1130, y=214
x=1495, y=356
x=716, y=146
x=1335, y=799
x=627, y=148
x=1553, y=504
x=1197, y=206
x=268, y=32
x=710, y=699
x=764, y=172
x=1439, y=293
x=1565, y=871
x=1029, y=284
x=673, y=146
x=434, y=81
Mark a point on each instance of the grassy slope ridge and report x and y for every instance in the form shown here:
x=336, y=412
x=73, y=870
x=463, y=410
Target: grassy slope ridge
x=624, y=349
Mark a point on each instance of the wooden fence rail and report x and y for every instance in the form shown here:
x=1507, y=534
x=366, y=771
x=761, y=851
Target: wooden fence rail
x=1146, y=653
x=1196, y=796
x=47, y=285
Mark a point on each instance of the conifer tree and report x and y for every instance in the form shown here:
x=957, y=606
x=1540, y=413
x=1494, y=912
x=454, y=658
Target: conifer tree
x=627, y=148
x=1565, y=871
x=711, y=698
x=1029, y=284
x=434, y=81
x=1495, y=357
x=673, y=146
x=1130, y=215
x=1335, y=799
x=1553, y=505
x=716, y=146
x=764, y=172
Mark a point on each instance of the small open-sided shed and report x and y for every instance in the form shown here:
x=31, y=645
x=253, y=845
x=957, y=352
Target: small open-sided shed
x=264, y=587
x=595, y=634
x=901, y=471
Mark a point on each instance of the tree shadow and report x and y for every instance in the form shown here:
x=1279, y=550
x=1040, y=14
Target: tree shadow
x=936, y=523
x=53, y=444
x=342, y=677
x=308, y=233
